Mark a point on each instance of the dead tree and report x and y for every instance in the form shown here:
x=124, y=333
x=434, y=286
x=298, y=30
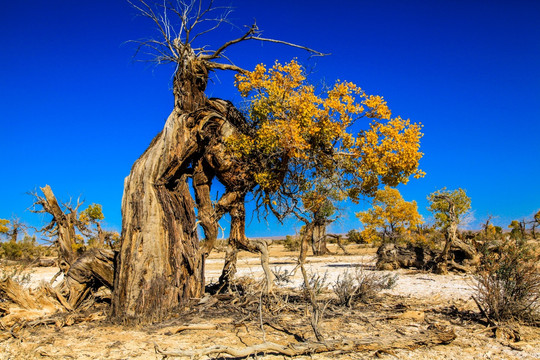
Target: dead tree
x=82, y=273
x=160, y=263
x=62, y=226
x=17, y=226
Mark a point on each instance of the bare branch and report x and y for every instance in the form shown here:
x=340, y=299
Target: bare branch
x=315, y=52
x=218, y=66
x=252, y=30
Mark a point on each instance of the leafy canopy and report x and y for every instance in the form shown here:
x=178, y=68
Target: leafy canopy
x=299, y=141
x=390, y=215
x=3, y=226
x=449, y=207
x=92, y=214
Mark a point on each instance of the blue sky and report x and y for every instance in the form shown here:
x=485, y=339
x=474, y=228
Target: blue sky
x=76, y=111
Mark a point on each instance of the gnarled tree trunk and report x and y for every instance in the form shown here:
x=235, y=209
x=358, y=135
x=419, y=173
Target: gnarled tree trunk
x=159, y=264
x=64, y=225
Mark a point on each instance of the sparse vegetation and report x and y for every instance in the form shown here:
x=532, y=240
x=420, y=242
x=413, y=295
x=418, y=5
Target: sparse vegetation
x=361, y=285
x=508, y=283
x=295, y=150
x=317, y=282
x=291, y=243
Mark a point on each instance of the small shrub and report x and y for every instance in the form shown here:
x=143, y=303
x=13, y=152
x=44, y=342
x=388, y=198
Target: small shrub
x=291, y=243
x=282, y=276
x=26, y=249
x=354, y=236
x=361, y=286
x=17, y=273
x=317, y=282
x=508, y=284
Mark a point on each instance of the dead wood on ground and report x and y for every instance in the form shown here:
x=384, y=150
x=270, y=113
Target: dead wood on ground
x=461, y=257
x=429, y=337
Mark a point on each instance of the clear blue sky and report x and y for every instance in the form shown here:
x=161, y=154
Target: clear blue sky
x=76, y=111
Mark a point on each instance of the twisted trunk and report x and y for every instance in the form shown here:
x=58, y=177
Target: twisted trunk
x=65, y=223
x=161, y=262
x=159, y=265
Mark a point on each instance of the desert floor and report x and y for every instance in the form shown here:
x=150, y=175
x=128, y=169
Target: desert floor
x=418, y=302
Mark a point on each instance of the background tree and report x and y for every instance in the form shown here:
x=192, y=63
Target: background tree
x=92, y=218
x=518, y=229
x=320, y=209
x=449, y=209
x=4, y=226
x=535, y=223
x=390, y=218
x=63, y=225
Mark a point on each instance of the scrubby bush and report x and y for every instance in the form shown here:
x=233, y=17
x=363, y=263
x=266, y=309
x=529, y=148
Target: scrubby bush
x=354, y=236
x=508, y=283
x=291, y=243
x=17, y=273
x=317, y=282
x=361, y=285
x=26, y=249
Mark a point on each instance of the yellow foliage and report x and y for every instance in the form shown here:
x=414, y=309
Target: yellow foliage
x=390, y=215
x=297, y=131
x=3, y=228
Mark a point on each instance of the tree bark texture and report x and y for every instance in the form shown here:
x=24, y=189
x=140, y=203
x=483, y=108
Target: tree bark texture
x=160, y=263
x=239, y=241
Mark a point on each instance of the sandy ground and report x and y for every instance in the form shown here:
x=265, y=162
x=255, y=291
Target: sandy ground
x=435, y=299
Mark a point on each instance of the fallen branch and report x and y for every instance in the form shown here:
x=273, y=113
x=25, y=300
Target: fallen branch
x=432, y=336
x=178, y=329
x=297, y=337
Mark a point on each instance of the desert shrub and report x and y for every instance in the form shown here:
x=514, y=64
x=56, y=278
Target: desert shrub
x=291, y=243
x=282, y=276
x=26, y=249
x=353, y=236
x=317, y=282
x=508, y=283
x=361, y=285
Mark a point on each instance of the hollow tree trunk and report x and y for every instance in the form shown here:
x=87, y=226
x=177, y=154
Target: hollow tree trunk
x=159, y=266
